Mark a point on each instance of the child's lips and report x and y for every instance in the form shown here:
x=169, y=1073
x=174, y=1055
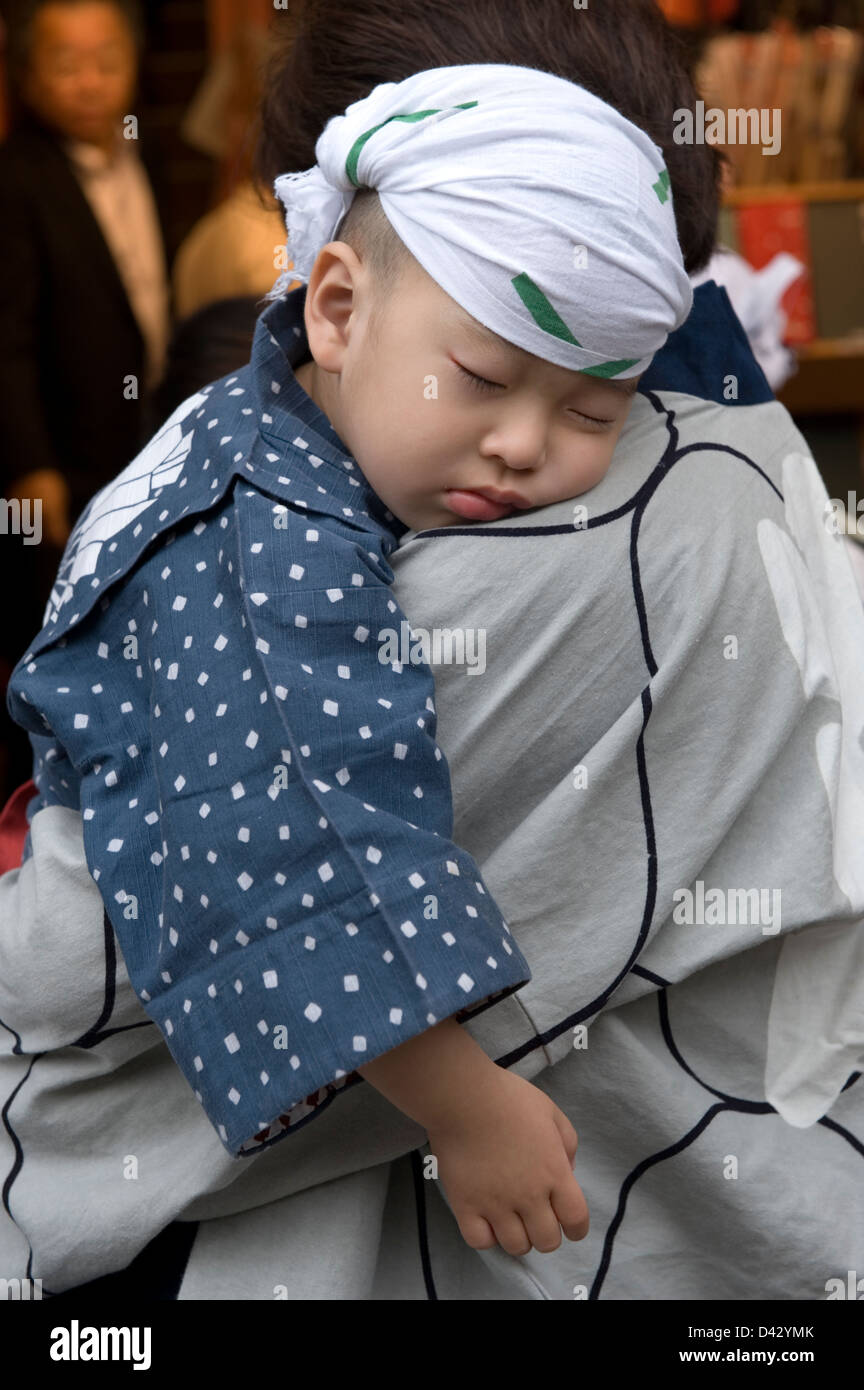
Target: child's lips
x=475, y=506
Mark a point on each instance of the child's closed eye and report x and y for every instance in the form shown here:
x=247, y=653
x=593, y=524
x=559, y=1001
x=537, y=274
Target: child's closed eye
x=481, y=383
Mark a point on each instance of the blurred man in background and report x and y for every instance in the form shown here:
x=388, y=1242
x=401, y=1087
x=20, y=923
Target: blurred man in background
x=84, y=293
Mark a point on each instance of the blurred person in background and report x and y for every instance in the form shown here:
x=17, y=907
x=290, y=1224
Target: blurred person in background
x=233, y=254
x=238, y=248
x=84, y=294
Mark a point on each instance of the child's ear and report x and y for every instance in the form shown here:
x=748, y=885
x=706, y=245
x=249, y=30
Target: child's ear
x=329, y=303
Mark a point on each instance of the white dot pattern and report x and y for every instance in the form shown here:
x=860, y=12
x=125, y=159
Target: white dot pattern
x=268, y=793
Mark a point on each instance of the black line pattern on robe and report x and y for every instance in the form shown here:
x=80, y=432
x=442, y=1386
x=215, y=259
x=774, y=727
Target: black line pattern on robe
x=672, y=455
x=727, y=1103
x=90, y=1038
x=18, y=1160
x=416, y=1157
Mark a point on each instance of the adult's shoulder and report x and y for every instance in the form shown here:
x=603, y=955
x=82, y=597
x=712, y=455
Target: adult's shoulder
x=709, y=358
x=712, y=445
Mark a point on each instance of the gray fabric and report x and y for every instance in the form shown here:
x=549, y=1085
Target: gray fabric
x=705, y=1043
x=114, y=1143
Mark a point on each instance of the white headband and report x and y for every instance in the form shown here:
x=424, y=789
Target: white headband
x=536, y=206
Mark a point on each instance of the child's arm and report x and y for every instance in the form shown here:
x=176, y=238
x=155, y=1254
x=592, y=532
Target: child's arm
x=505, y=1151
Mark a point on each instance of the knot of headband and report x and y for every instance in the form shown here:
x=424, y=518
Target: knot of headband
x=534, y=204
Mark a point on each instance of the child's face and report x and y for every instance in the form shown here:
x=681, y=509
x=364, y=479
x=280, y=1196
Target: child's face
x=398, y=393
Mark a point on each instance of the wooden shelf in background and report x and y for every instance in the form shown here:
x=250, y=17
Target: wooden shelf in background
x=820, y=348
x=829, y=380
x=834, y=191
x=830, y=376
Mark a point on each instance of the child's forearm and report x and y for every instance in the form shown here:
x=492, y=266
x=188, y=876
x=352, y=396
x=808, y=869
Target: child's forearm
x=433, y=1076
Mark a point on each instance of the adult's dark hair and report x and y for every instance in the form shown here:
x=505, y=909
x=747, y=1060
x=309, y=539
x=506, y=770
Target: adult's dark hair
x=330, y=53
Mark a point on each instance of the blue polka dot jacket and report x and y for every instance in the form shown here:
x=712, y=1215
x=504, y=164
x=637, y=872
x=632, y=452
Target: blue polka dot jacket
x=265, y=808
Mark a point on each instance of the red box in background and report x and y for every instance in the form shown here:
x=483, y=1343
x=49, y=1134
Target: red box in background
x=763, y=230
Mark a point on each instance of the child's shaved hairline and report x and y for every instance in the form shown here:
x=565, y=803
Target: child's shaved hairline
x=366, y=229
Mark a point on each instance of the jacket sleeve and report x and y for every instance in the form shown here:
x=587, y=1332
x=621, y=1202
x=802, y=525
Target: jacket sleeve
x=372, y=924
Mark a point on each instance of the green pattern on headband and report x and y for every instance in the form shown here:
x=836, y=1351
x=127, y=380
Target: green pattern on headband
x=548, y=318
x=354, y=152
x=661, y=187
x=610, y=368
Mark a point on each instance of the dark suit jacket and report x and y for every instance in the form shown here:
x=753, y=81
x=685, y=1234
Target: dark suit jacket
x=68, y=336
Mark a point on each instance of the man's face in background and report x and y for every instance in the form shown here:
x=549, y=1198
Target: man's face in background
x=82, y=70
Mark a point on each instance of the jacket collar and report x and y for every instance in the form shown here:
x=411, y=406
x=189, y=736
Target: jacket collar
x=316, y=467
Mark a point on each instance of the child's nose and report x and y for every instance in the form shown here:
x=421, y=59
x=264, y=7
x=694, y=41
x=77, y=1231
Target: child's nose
x=524, y=457
x=521, y=447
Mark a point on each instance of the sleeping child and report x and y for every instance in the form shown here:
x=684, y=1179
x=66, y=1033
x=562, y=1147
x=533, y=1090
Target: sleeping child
x=266, y=811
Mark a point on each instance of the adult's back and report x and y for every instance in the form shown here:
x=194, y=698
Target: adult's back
x=661, y=773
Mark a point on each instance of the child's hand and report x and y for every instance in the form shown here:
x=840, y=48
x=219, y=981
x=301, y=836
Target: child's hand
x=504, y=1149
x=506, y=1163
